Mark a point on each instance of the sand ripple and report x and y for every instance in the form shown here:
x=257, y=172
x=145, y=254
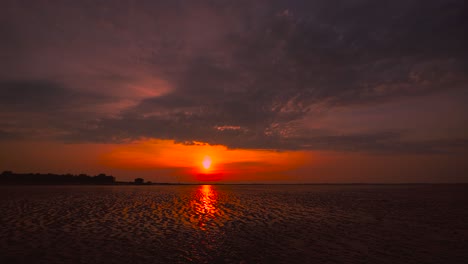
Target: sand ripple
x=234, y=224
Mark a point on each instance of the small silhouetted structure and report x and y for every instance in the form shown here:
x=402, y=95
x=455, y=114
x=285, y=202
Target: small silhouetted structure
x=139, y=181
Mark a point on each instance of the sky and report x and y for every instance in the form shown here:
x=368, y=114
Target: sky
x=323, y=91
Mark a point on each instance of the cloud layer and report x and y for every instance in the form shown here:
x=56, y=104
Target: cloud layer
x=237, y=73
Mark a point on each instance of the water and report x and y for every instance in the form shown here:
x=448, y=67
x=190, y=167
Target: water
x=234, y=224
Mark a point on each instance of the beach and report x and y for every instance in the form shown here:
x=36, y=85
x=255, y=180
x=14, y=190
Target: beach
x=234, y=224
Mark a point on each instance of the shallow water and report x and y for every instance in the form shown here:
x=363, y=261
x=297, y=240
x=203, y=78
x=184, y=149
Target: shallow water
x=234, y=224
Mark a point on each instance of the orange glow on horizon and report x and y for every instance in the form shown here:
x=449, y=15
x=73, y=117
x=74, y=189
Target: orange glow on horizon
x=202, y=161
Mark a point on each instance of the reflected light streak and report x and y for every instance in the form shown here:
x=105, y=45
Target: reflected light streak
x=205, y=205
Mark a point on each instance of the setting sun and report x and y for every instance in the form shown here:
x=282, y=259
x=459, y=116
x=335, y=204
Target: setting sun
x=206, y=162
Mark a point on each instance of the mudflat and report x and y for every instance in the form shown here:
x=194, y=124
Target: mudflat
x=234, y=224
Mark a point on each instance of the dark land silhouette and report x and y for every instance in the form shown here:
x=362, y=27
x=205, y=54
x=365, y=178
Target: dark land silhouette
x=139, y=181
x=9, y=177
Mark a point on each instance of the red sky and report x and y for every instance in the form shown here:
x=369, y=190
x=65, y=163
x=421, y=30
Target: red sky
x=271, y=91
x=165, y=161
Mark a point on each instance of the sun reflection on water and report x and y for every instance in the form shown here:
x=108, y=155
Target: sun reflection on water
x=205, y=205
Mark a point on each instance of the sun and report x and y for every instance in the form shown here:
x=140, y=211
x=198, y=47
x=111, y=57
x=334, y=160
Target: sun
x=206, y=162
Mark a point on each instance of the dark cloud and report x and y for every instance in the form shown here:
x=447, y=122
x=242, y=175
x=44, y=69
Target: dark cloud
x=38, y=96
x=37, y=108
x=6, y=135
x=186, y=131
x=260, y=68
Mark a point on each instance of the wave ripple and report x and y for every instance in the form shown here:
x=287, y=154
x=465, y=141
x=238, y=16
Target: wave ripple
x=234, y=224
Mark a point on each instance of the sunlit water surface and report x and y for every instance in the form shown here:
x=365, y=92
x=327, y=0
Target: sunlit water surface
x=234, y=224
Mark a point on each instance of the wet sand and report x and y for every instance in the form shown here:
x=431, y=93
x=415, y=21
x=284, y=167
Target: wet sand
x=234, y=224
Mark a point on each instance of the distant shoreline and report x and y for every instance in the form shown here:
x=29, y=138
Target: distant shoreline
x=213, y=183
x=38, y=179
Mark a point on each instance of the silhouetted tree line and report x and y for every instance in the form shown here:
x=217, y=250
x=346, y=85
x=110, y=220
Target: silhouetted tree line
x=8, y=177
x=139, y=181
